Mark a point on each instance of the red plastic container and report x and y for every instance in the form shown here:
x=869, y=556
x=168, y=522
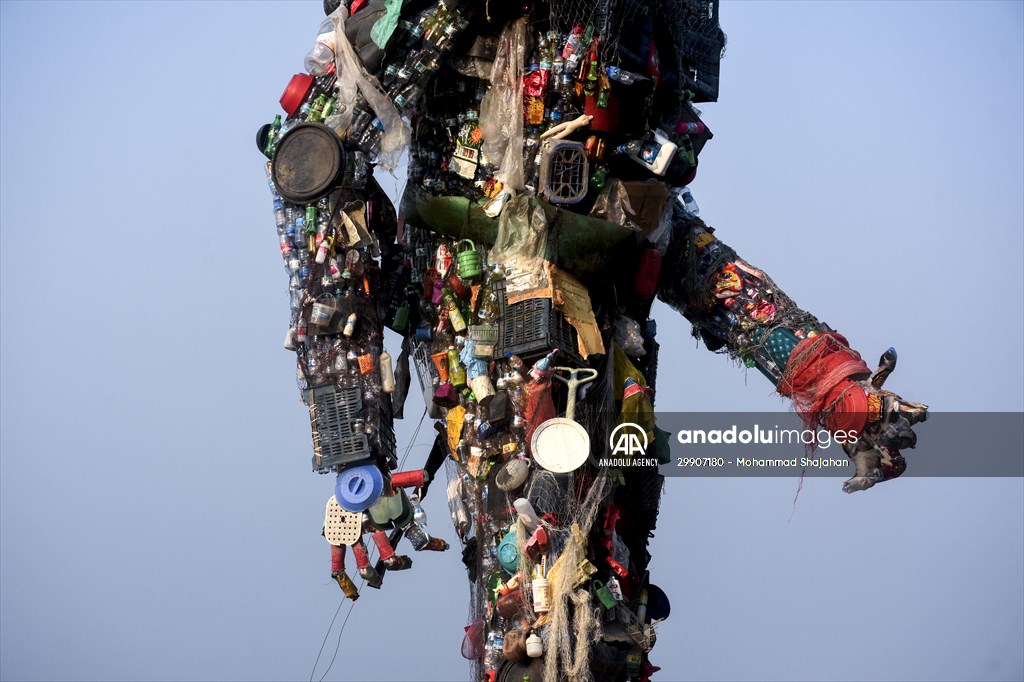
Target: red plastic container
x=296, y=91
x=409, y=479
x=645, y=282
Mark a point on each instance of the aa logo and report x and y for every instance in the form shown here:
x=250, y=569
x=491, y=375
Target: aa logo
x=628, y=439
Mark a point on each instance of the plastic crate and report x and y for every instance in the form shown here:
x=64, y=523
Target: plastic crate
x=485, y=336
x=564, y=171
x=384, y=441
x=333, y=412
x=425, y=372
x=531, y=328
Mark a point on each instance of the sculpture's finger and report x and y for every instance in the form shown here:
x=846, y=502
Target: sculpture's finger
x=886, y=364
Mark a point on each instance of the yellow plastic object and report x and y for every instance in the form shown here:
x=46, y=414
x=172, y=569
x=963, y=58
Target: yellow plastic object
x=341, y=527
x=456, y=416
x=347, y=586
x=584, y=569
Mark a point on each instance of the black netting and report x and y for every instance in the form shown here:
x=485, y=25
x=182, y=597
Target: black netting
x=699, y=44
x=697, y=39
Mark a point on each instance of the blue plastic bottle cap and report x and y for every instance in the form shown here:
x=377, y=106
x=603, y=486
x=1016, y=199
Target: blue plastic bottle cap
x=358, y=487
x=508, y=553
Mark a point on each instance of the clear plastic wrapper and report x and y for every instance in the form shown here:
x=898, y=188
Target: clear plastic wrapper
x=353, y=82
x=627, y=333
x=501, y=120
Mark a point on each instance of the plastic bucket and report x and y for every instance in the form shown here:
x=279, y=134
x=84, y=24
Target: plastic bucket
x=296, y=90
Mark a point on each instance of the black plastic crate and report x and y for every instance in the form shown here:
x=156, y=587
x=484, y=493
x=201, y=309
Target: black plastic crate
x=532, y=328
x=332, y=415
x=333, y=412
x=384, y=442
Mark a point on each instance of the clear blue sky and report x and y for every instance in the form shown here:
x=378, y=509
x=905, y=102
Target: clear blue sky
x=158, y=519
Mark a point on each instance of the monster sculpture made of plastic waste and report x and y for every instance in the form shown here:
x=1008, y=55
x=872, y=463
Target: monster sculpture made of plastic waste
x=550, y=148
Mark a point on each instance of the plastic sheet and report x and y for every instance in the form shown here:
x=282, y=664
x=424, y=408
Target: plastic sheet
x=613, y=204
x=501, y=120
x=627, y=334
x=354, y=81
x=522, y=245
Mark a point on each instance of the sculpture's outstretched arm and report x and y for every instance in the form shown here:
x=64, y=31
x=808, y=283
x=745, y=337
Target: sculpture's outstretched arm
x=736, y=308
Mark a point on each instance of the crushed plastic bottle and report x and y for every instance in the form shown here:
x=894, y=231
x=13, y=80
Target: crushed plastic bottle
x=319, y=60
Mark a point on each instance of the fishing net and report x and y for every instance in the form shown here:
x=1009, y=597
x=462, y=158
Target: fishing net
x=697, y=40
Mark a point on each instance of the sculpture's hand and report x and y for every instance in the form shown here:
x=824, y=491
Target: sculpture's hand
x=876, y=452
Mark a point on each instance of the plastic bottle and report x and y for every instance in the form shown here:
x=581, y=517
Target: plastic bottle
x=575, y=42
x=387, y=374
x=426, y=62
x=280, y=218
x=688, y=202
x=340, y=363
x=456, y=372
x=541, y=595
x=454, y=314
x=688, y=128
x=319, y=60
x=624, y=77
x=299, y=240
x=534, y=646
x=350, y=325
x=369, y=140
x=555, y=112
x=545, y=53
x=494, y=656
x=321, y=252
x=654, y=155
x=407, y=96
x=329, y=107
x=291, y=340
x=531, y=153
x=641, y=605
x=419, y=516
x=590, y=83
x=353, y=263
x=527, y=514
x=517, y=369
x=401, y=319
x=557, y=70
x=316, y=109
x=275, y=132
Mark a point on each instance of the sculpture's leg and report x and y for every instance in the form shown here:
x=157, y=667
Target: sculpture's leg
x=366, y=571
x=338, y=572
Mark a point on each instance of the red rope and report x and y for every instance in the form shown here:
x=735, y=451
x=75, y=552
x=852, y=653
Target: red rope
x=818, y=378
